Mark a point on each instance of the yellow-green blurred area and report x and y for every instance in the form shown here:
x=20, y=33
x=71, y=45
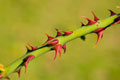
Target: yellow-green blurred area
x=27, y=21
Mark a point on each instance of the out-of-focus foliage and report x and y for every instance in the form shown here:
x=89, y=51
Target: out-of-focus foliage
x=26, y=21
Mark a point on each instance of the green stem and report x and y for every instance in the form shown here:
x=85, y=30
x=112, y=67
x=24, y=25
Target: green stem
x=82, y=31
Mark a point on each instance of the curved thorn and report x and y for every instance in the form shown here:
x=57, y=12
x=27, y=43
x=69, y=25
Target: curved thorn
x=33, y=47
x=58, y=49
x=67, y=32
x=54, y=42
x=58, y=33
x=95, y=17
x=49, y=37
x=90, y=21
x=26, y=61
x=111, y=12
x=100, y=34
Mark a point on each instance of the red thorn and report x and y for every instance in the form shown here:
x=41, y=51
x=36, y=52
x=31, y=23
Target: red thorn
x=58, y=49
x=26, y=61
x=95, y=17
x=99, y=32
x=33, y=47
x=54, y=42
x=7, y=77
x=49, y=37
x=64, y=47
x=82, y=24
x=58, y=33
x=19, y=71
x=112, y=13
x=90, y=21
x=67, y=32
x=1, y=75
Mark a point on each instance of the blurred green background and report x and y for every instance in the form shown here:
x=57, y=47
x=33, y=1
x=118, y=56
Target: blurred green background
x=27, y=21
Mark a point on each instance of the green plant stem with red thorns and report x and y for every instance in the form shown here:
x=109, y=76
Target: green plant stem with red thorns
x=57, y=43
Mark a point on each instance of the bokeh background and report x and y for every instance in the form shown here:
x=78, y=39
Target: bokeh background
x=27, y=21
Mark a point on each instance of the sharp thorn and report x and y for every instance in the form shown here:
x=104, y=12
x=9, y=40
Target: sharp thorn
x=58, y=49
x=33, y=47
x=58, y=33
x=54, y=42
x=90, y=21
x=26, y=61
x=100, y=34
x=95, y=17
x=112, y=13
x=49, y=37
x=67, y=32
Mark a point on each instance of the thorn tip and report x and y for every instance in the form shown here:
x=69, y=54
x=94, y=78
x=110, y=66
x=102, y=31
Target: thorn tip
x=90, y=21
x=58, y=49
x=95, y=17
x=26, y=61
x=111, y=12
